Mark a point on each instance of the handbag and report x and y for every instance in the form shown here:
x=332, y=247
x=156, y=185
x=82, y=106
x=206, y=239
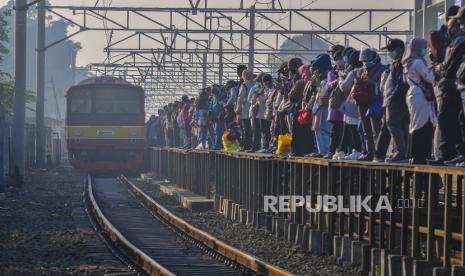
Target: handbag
x=427, y=89
x=304, y=117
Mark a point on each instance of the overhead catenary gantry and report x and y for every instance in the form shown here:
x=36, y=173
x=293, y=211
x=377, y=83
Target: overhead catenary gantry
x=180, y=50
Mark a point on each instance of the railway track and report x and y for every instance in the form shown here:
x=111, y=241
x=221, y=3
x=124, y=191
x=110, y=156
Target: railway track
x=155, y=241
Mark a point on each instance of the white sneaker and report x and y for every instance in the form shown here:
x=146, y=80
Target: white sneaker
x=355, y=155
x=339, y=155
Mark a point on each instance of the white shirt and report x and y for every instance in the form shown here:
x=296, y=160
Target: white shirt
x=421, y=111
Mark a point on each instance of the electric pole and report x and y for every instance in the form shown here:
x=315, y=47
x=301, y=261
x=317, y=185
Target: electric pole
x=40, y=105
x=19, y=108
x=251, y=38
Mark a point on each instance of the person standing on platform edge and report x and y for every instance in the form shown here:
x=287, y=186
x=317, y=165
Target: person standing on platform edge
x=242, y=109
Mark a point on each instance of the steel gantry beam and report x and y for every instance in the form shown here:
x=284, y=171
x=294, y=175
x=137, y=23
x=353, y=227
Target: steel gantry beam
x=170, y=51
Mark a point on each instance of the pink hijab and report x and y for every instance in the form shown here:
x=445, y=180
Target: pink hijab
x=304, y=72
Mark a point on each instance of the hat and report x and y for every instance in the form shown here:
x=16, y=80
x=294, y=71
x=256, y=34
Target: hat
x=394, y=44
x=335, y=48
x=247, y=74
x=460, y=14
x=322, y=62
x=452, y=11
x=347, y=51
x=368, y=54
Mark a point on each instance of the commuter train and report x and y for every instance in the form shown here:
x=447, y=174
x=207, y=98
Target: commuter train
x=105, y=125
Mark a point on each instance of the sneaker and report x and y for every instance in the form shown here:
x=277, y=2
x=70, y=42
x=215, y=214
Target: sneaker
x=366, y=158
x=339, y=155
x=355, y=155
x=379, y=159
x=396, y=159
x=460, y=165
x=435, y=162
x=455, y=161
x=329, y=155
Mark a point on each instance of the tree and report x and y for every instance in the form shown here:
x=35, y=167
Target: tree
x=6, y=82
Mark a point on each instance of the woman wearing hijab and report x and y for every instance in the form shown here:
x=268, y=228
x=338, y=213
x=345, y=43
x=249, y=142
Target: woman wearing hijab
x=302, y=142
x=419, y=102
x=321, y=126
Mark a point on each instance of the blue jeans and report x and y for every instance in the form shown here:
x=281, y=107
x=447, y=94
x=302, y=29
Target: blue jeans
x=203, y=135
x=323, y=132
x=216, y=135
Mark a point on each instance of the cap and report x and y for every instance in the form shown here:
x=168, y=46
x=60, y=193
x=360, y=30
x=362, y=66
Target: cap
x=394, y=44
x=460, y=14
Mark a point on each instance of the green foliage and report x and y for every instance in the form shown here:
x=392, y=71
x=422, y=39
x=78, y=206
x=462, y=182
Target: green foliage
x=7, y=89
x=4, y=39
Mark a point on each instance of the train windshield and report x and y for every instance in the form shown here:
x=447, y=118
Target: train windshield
x=81, y=102
x=116, y=100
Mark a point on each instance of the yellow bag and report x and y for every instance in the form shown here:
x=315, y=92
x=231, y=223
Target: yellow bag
x=229, y=145
x=284, y=144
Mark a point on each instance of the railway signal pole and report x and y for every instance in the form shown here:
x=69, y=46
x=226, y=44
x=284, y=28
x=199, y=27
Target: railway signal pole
x=40, y=124
x=19, y=108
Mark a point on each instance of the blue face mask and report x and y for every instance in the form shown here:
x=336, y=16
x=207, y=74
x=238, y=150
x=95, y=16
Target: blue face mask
x=423, y=52
x=369, y=64
x=393, y=54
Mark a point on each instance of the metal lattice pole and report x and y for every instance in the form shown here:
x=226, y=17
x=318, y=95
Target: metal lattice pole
x=40, y=124
x=19, y=108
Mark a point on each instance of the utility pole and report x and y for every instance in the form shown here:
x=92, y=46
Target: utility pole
x=204, y=73
x=40, y=104
x=251, y=38
x=73, y=65
x=19, y=108
x=220, y=60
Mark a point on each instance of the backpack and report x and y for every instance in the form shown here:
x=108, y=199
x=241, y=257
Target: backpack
x=364, y=90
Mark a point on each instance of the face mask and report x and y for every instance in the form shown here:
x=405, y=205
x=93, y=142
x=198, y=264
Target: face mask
x=393, y=54
x=369, y=64
x=346, y=59
x=423, y=52
x=340, y=63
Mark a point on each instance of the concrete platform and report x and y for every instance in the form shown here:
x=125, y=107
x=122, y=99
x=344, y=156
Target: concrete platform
x=187, y=199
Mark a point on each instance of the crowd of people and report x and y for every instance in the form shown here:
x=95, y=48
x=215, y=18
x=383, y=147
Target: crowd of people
x=345, y=105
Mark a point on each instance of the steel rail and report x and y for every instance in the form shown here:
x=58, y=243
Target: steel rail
x=145, y=262
x=208, y=240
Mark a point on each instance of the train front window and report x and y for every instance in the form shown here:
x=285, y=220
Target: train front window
x=81, y=102
x=117, y=100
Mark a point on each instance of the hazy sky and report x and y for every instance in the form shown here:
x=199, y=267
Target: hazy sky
x=94, y=42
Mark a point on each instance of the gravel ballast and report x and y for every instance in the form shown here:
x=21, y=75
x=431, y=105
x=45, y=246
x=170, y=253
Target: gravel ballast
x=256, y=242
x=44, y=229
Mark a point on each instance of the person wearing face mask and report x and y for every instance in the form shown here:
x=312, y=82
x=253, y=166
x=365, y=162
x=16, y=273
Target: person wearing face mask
x=335, y=116
x=396, y=115
x=451, y=149
x=419, y=102
x=351, y=142
x=371, y=71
